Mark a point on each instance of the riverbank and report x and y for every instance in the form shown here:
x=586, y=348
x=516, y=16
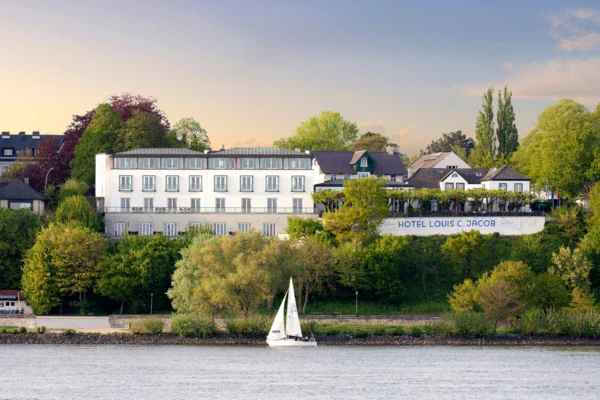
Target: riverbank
x=323, y=340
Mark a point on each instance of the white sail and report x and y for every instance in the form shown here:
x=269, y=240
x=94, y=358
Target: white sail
x=292, y=327
x=277, y=331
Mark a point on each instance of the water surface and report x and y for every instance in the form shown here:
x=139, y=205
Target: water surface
x=256, y=372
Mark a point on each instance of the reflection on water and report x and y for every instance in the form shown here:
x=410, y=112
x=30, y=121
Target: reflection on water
x=256, y=372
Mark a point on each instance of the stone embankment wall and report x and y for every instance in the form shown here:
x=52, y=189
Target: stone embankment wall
x=28, y=321
x=122, y=321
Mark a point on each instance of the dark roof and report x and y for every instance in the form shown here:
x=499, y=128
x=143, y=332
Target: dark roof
x=260, y=151
x=427, y=177
x=473, y=176
x=340, y=162
x=340, y=182
x=22, y=142
x=11, y=295
x=504, y=173
x=160, y=152
x=18, y=190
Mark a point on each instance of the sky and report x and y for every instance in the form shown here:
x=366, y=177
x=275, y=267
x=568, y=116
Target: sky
x=251, y=71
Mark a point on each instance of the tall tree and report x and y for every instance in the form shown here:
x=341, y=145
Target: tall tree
x=373, y=142
x=506, y=132
x=189, y=133
x=142, y=130
x=456, y=141
x=467, y=253
x=126, y=103
x=485, y=148
x=561, y=149
x=78, y=210
x=99, y=137
x=326, y=131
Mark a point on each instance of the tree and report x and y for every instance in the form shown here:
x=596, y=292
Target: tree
x=572, y=267
x=364, y=207
x=189, y=133
x=485, y=148
x=141, y=266
x=583, y=301
x=350, y=266
x=126, y=103
x=464, y=297
x=506, y=133
x=317, y=260
x=467, y=253
x=327, y=131
x=531, y=250
x=561, y=148
x=142, y=130
x=64, y=261
x=18, y=229
x=372, y=142
x=99, y=137
x=452, y=141
x=73, y=187
x=548, y=292
x=499, y=299
x=78, y=210
x=299, y=228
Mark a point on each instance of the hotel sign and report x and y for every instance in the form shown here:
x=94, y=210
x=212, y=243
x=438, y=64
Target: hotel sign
x=509, y=226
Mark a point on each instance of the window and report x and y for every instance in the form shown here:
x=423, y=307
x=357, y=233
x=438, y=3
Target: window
x=146, y=229
x=333, y=176
x=220, y=183
x=172, y=183
x=195, y=163
x=452, y=166
x=195, y=206
x=297, y=184
x=364, y=162
x=246, y=205
x=120, y=228
x=460, y=186
x=125, y=183
x=125, y=204
x=393, y=178
x=272, y=206
x=364, y=174
x=125, y=163
x=297, y=206
x=8, y=152
x=518, y=187
x=347, y=176
x=503, y=186
x=221, y=163
x=246, y=183
x=247, y=163
x=148, y=205
x=149, y=163
x=269, y=229
x=149, y=183
x=244, y=227
x=272, y=184
x=19, y=205
x=220, y=205
x=270, y=163
x=172, y=205
x=172, y=163
x=195, y=183
x=220, y=229
x=449, y=186
x=170, y=229
x=299, y=163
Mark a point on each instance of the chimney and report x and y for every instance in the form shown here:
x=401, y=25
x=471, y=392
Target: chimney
x=206, y=151
x=26, y=180
x=307, y=151
x=6, y=135
x=222, y=147
x=36, y=134
x=22, y=133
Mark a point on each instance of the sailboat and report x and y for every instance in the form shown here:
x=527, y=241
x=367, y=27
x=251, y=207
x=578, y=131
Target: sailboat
x=288, y=334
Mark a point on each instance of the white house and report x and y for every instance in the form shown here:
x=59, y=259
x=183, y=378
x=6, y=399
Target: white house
x=145, y=191
x=13, y=302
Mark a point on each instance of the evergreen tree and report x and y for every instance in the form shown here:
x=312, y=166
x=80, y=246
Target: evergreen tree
x=506, y=132
x=485, y=148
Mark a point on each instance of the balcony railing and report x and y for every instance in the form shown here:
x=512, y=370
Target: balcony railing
x=416, y=214
x=207, y=210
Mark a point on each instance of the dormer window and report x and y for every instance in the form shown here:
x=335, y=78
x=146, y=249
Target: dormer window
x=8, y=152
x=452, y=166
x=364, y=162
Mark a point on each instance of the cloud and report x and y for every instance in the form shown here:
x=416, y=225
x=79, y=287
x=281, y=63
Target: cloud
x=575, y=78
x=375, y=127
x=576, y=29
x=584, y=42
x=404, y=131
x=585, y=14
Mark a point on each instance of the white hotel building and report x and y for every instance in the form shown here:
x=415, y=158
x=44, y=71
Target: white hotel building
x=146, y=191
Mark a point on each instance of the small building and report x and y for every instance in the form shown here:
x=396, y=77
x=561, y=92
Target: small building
x=447, y=160
x=13, y=302
x=19, y=195
x=21, y=145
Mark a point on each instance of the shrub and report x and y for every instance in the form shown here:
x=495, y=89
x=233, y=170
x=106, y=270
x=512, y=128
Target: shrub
x=332, y=332
x=41, y=329
x=532, y=322
x=308, y=326
x=554, y=322
x=136, y=326
x=416, y=331
x=3, y=330
x=189, y=326
x=399, y=330
x=444, y=327
x=359, y=333
x=68, y=332
x=582, y=325
x=472, y=325
x=252, y=326
x=380, y=331
x=153, y=325
x=22, y=330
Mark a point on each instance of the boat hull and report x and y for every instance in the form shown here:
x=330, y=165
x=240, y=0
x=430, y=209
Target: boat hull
x=290, y=343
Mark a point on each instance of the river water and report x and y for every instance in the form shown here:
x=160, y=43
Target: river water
x=256, y=372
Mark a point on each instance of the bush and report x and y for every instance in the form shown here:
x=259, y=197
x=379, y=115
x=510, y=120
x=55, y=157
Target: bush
x=554, y=322
x=41, y=329
x=582, y=325
x=399, y=330
x=308, y=326
x=444, y=327
x=68, y=332
x=22, y=330
x=532, y=322
x=332, y=332
x=359, y=334
x=472, y=325
x=416, y=331
x=153, y=325
x=380, y=331
x=253, y=326
x=3, y=330
x=189, y=326
x=136, y=326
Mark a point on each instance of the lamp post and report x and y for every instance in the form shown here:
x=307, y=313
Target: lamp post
x=357, y=303
x=46, y=182
x=151, y=301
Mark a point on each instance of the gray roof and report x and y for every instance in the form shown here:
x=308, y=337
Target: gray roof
x=160, y=152
x=340, y=182
x=427, y=177
x=431, y=177
x=22, y=142
x=260, y=151
x=339, y=162
x=18, y=190
x=473, y=176
x=504, y=173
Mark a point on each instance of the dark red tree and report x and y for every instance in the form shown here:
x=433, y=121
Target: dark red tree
x=126, y=103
